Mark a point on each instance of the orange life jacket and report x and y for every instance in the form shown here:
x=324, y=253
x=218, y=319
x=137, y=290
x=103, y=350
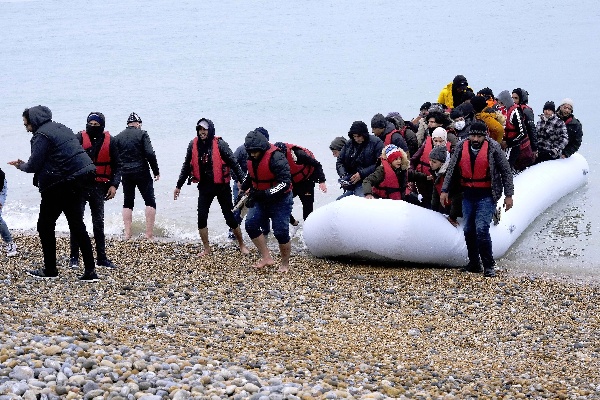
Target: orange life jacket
x=423, y=164
x=221, y=171
x=299, y=172
x=389, y=188
x=263, y=178
x=478, y=175
x=102, y=161
x=388, y=138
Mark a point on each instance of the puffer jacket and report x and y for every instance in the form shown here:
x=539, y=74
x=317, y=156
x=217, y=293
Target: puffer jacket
x=494, y=126
x=135, y=152
x=575, y=132
x=361, y=158
x=56, y=155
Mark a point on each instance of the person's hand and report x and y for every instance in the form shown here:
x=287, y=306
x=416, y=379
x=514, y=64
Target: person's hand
x=323, y=187
x=443, y=198
x=369, y=196
x=503, y=144
x=354, y=179
x=16, y=163
x=429, y=177
x=156, y=177
x=563, y=156
x=111, y=193
x=452, y=221
x=176, y=193
x=508, y=203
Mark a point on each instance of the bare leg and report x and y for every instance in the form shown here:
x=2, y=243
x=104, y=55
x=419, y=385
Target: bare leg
x=127, y=220
x=150, y=217
x=265, y=256
x=204, y=238
x=285, y=250
x=237, y=232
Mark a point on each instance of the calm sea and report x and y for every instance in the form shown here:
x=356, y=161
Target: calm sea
x=302, y=69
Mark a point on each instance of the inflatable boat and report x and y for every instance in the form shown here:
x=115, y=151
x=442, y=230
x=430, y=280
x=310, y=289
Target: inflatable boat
x=393, y=230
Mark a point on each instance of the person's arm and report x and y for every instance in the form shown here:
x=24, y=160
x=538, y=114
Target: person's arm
x=186, y=167
x=373, y=157
x=303, y=158
x=39, y=152
x=283, y=179
x=373, y=179
x=114, y=164
x=230, y=159
x=575, y=138
x=150, y=155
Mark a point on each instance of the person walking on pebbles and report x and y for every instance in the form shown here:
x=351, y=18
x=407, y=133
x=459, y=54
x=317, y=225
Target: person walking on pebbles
x=11, y=247
x=62, y=170
x=136, y=159
x=269, y=184
x=209, y=161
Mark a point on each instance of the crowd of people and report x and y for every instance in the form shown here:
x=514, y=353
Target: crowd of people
x=457, y=157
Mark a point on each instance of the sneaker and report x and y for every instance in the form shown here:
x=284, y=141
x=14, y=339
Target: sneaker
x=42, y=274
x=230, y=235
x=11, y=249
x=74, y=262
x=472, y=268
x=489, y=272
x=91, y=277
x=106, y=264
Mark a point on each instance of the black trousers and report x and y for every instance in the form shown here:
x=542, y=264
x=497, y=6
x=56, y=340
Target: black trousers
x=95, y=196
x=64, y=197
x=306, y=193
x=206, y=195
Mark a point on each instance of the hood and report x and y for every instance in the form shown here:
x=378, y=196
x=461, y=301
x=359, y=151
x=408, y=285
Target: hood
x=389, y=126
x=38, y=116
x=506, y=99
x=523, y=95
x=256, y=141
x=211, y=128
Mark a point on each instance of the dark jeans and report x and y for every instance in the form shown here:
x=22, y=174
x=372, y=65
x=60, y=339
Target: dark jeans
x=206, y=195
x=65, y=197
x=95, y=196
x=278, y=211
x=143, y=181
x=237, y=214
x=477, y=217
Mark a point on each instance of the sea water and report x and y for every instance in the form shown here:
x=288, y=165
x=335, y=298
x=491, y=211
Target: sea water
x=303, y=70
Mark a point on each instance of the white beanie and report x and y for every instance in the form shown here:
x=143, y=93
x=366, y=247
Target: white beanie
x=440, y=132
x=567, y=101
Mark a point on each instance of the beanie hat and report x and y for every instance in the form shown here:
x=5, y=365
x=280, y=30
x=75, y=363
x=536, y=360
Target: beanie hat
x=378, y=121
x=466, y=108
x=567, y=101
x=506, y=99
x=438, y=153
x=456, y=113
x=460, y=81
x=485, y=92
x=439, y=132
x=133, y=117
x=425, y=106
x=264, y=132
x=478, y=128
x=549, y=105
x=437, y=107
x=358, y=127
x=394, y=114
x=479, y=103
x=98, y=117
x=337, y=143
x=392, y=153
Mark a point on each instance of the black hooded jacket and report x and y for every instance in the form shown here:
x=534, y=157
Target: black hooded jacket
x=56, y=155
x=205, y=153
x=278, y=164
x=361, y=158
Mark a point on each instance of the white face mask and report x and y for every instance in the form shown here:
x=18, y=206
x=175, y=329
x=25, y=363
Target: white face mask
x=459, y=125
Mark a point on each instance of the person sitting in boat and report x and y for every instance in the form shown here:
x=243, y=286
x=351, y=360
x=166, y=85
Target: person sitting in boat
x=574, y=127
x=336, y=145
x=480, y=168
x=425, y=127
x=407, y=129
x=528, y=151
x=387, y=132
x=488, y=94
x=515, y=132
x=491, y=119
x=358, y=159
x=423, y=111
x=305, y=170
x=460, y=126
x=439, y=158
x=552, y=134
x=388, y=181
x=454, y=93
x=437, y=119
x=420, y=163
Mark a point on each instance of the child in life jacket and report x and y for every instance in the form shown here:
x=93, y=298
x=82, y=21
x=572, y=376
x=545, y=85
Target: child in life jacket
x=439, y=158
x=388, y=181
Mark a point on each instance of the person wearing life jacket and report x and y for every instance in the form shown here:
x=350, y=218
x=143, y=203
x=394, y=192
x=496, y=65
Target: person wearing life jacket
x=388, y=181
x=269, y=185
x=102, y=150
x=454, y=93
x=439, y=159
x=305, y=170
x=436, y=118
x=552, y=134
x=387, y=132
x=515, y=132
x=574, y=127
x=480, y=169
x=407, y=129
x=420, y=163
x=358, y=159
x=489, y=117
x=208, y=162
x=529, y=147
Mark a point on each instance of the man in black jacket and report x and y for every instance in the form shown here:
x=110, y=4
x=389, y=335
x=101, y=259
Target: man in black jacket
x=61, y=170
x=136, y=158
x=574, y=127
x=101, y=148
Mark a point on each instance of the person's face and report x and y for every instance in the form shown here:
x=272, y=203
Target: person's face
x=135, y=125
x=202, y=133
x=548, y=113
x=27, y=125
x=459, y=119
x=93, y=123
x=335, y=153
x=438, y=141
x=477, y=138
x=424, y=112
x=397, y=163
x=255, y=154
x=377, y=131
x=432, y=124
x=435, y=164
x=566, y=109
x=515, y=98
x=358, y=138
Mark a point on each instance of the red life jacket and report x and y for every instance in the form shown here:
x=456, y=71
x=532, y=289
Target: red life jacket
x=299, y=172
x=263, y=178
x=389, y=188
x=388, y=138
x=221, y=171
x=423, y=164
x=511, y=132
x=478, y=175
x=438, y=185
x=102, y=161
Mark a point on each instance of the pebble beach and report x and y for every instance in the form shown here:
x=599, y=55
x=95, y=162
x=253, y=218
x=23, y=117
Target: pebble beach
x=169, y=325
